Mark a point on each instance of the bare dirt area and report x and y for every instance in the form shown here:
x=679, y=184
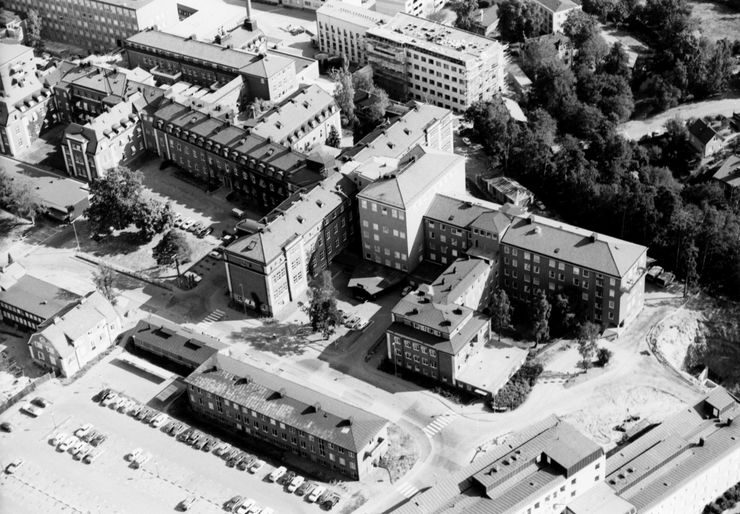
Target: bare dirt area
x=674, y=335
x=717, y=21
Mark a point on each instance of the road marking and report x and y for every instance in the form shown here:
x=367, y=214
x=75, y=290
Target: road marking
x=407, y=490
x=439, y=423
x=212, y=318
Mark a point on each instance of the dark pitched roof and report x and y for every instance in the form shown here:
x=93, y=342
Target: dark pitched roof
x=38, y=297
x=174, y=339
x=729, y=172
x=286, y=401
x=702, y=131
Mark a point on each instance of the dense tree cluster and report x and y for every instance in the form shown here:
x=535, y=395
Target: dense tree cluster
x=685, y=65
x=519, y=20
x=323, y=313
x=516, y=390
x=570, y=154
x=118, y=202
x=18, y=198
x=173, y=248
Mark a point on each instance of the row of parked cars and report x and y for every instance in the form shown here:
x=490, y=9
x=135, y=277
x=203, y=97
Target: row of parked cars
x=125, y=405
x=83, y=444
x=197, y=229
x=353, y=322
x=295, y=483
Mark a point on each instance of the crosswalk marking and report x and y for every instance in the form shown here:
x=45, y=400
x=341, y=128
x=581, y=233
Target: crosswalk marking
x=438, y=424
x=212, y=318
x=407, y=490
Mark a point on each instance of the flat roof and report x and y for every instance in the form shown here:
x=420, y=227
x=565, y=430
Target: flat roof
x=352, y=14
x=51, y=191
x=282, y=399
x=38, y=297
x=441, y=39
x=11, y=52
x=490, y=367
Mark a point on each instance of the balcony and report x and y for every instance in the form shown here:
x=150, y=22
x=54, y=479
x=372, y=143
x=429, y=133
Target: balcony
x=166, y=75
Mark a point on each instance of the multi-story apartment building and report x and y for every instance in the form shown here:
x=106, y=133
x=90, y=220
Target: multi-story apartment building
x=98, y=25
x=415, y=58
x=391, y=209
x=85, y=92
x=421, y=8
x=271, y=267
x=270, y=75
x=433, y=333
x=555, y=12
x=543, y=468
x=341, y=28
x=302, y=120
x=75, y=336
x=605, y=273
x=112, y=138
x=261, y=406
x=262, y=172
x=26, y=105
x=454, y=228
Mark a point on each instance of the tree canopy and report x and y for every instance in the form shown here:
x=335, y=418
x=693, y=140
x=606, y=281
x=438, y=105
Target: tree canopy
x=519, y=20
x=465, y=11
x=173, y=248
x=323, y=313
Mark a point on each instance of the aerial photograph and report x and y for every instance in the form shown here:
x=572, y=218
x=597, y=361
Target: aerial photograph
x=370, y=256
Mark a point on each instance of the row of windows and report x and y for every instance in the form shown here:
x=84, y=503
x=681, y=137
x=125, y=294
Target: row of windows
x=554, y=264
x=395, y=213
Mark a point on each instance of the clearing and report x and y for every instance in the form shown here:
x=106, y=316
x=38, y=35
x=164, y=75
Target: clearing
x=717, y=21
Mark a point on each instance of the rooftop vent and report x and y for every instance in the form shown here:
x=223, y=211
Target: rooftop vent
x=457, y=311
x=317, y=407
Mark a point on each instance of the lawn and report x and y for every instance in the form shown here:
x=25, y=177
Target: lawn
x=717, y=20
x=403, y=452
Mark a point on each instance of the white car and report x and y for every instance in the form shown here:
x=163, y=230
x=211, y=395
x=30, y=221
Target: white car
x=75, y=446
x=159, y=420
x=83, y=450
x=276, y=474
x=295, y=483
x=134, y=454
x=57, y=438
x=316, y=493
x=256, y=466
x=91, y=456
x=108, y=399
x=64, y=443
x=31, y=410
x=141, y=459
x=84, y=430
x=254, y=509
x=244, y=506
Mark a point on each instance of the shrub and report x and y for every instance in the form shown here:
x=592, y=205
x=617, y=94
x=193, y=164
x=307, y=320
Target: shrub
x=516, y=390
x=603, y=356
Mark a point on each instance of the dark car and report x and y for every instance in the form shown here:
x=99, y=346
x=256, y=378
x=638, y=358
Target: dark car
x=243, y=462
x=92, y=434
x=168, y=426
x=305, y=488
x=6, y=427
x=40, y=402
x=233, y=502
x=102, y=395
x=185, y=435
x=331, y=501
x=200, y=443
x=143, y=412
x=231, y=462
x=149, y=415
x=99, y=439
x=208, y=445
x=288, y=477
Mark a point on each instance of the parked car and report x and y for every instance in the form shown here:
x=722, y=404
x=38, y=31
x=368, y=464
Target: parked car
x=64, y=444
x=203, y=232
x=108, y=398
x=290, y=475
x=316, y=493
x=208, y=444
x=254, y=509
x=168, y=426
x=256, y=466
x=406, y=290
x=184, y=435
x=186, y=504
x=57, y=438
x=305, y=489
x=75, y=446
x=244, y=506
x=92, y=434
x=331, y=501
x=5, y=426
x=295, y=483
x=140, y=460
x=195, y=228
x=361, y=324
x=267, y=510
x=200, y=443
x=81, y=451
x=134, y=454
x=31, y=410
x=40, y=402
x=232, y=503
x=102, y=394
x=226, y=239
x=241, y=461
x=99, y=439
x=276, y=474
x=665, y=279
x=186, y=224
x=13, y=466
x=159, y=420
x=653, y=273
x=220, y=448
x=84, y=429
x=90, y=457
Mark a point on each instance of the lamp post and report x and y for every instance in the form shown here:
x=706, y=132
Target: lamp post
x=77, y=240
x=244, y=301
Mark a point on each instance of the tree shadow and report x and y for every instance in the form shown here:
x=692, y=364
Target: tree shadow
x=282, y=340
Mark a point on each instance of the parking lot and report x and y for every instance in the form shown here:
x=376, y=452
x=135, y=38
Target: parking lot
x=52, y=481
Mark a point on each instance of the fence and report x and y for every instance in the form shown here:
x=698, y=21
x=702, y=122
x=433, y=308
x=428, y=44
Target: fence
x=134, y=274
x=23, y=392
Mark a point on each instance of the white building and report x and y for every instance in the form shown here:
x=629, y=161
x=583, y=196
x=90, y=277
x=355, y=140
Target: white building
x=315, y=5
x=415, y=7
x=341, y=28
x=414, y=58
x=555, y=13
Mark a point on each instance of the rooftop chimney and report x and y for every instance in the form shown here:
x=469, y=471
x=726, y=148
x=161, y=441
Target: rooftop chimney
x=250, y=23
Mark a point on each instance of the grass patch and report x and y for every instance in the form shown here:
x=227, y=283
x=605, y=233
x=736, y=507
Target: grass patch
x=402, y=453
x=354, y=502
x=280, y=339
x=517, y=389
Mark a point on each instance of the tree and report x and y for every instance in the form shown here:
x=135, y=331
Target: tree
x=536, y=52
x=344, y=92
x=18, y=198
x=465, y=11
x=495, y=129
x=104, y=279
x=580, y=27
x=500, y=311
x=519, y=20
x=33, y=29
x=323, y=313
x=115, y=198
x=333, y=139
x=152, y=217
x=616, y=62
x=690, y=275
x=588, y=334
x=173, y=248
x=258, y=106
x=603, y=356
x=540, y=316
x=380, y=102
x=553, y=88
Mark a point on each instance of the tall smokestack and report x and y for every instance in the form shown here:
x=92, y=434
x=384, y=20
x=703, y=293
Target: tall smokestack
x=250, y=23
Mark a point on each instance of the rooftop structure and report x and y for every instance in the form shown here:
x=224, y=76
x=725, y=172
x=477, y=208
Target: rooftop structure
x=729, y=172
x=506, y=190
x=540, y=465
x=30, y=301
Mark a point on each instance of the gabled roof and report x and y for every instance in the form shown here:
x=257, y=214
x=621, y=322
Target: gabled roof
x=404, y=189
x=456, y=280
x=729, y=172
x=38, y=297
x=557, y=5
x=282, y=399
x=65, y=329
x=468, y=213
x=266, y=66
x=580, y=247
x=702, y=131
x=172, y=339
